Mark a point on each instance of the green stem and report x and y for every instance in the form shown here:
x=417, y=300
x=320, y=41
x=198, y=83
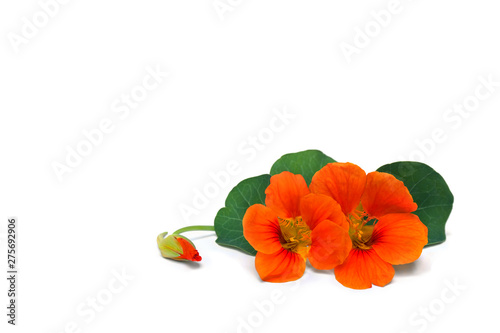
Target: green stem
x=195, y=228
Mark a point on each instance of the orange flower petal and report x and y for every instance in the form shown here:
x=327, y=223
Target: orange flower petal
x=284, y=193
x=363, y=268
x=344, y=182
x=399, y=238
x=282, y=266
x=330, y=245
x=384, y=194
x=315, y=208
x=261, y=229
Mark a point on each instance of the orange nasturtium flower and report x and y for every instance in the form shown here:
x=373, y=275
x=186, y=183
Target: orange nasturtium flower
x=293, y=226
x=177, y=247
x=382, y=229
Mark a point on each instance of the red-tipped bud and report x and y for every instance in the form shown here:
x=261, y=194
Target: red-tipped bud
x=177, y=247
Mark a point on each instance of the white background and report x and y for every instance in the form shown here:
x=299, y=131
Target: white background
x=226, y=76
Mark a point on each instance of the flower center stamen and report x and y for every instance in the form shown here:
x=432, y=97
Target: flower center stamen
x=295, y=235
x=359, y=231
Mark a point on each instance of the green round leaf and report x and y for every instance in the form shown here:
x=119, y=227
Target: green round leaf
x=228, y=222
x=305, y=163
x=431, y=193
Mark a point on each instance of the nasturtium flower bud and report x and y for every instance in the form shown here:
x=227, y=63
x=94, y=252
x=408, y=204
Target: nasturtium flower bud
x=177, y=247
